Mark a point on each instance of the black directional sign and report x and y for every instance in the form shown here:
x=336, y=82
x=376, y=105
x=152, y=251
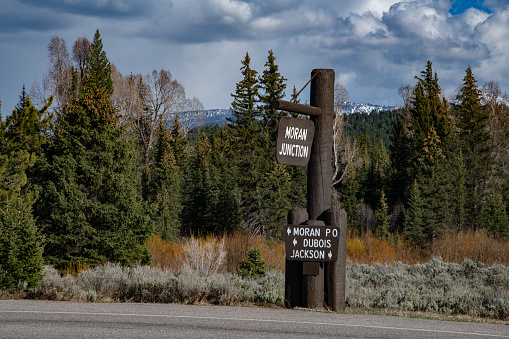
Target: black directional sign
x=311, y=243
x=294, y=140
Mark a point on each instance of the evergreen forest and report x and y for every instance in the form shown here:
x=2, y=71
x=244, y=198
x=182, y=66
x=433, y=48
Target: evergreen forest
x=93, y=163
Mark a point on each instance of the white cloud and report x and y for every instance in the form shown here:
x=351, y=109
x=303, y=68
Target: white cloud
x=366, y=24
x=374, y=45
x=360, y=7
x=494, y=32
x=96, y=8
x=267, y=23
x=237, y=10
x=472, y=17
x=346, y=78
x=415, y=19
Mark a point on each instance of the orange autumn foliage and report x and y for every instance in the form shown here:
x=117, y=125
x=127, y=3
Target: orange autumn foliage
x=477, y=246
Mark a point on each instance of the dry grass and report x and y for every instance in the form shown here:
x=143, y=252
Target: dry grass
x=477, y=246
x=238, y=244
x=452, y=246
x=365, y=249
x=75, y=268
x=165, y=255
x=368, y=249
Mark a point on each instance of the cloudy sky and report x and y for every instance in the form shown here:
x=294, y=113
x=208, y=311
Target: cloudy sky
x=374, y=46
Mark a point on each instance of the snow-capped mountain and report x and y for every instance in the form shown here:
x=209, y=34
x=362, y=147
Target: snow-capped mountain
x=218, y=116
x=353, y=107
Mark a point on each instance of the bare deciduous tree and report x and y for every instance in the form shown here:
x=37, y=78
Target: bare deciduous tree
x=38, y=93
x=59, y=78
x=127, y=97
x=194, y=117
x=496, y=103
x=344, y=149
x=406, y=93
x=80, y=55
x=145, y=101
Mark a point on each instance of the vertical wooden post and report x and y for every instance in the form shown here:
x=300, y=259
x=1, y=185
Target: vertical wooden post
x=319, y=167
x=320, y=162
x=335, y=272
x=293, y=272
x=314, y=284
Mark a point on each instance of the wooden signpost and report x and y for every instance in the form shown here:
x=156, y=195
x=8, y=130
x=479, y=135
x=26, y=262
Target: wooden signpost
x=315, y=239
x=294, y=140
x=312, y=243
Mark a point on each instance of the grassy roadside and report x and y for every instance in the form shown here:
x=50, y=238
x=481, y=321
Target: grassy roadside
x=451, y=291
x=203, y=271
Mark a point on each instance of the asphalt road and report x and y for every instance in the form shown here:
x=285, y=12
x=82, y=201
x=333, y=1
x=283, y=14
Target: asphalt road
x=51, y=319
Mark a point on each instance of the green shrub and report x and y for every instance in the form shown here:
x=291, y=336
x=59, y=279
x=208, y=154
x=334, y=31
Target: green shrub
x=21, y=245
x=253, y=264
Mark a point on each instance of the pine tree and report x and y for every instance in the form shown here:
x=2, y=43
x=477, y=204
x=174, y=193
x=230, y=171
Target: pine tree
x=89, y=206
x=276, y=191
x=454, y=189
x=401, y=162
x=382, y=218
x=424, y=151
x=349, y=200
x=413, y=223
x=227, y=215
x=472, y=120
x=197, y=189
x=247, y=136
x=21, y=243
x=275, y=200
x=373, y=170
x=428, y=110
x=493, y=215
x=15, y=157
x=212, y=201
x=253, y=264
x=27, y=127
x=244, y=106
x=430, y=177
x=272, y=86
x=166, y=185
x=178, y=142
x=98, y=68
x=22, y=136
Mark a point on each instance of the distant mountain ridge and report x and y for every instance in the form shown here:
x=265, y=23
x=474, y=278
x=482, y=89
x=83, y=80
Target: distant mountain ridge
x=218, y=116
x=353, y=107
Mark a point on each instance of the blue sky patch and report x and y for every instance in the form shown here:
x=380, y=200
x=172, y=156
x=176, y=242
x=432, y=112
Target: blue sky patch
x=460, y=6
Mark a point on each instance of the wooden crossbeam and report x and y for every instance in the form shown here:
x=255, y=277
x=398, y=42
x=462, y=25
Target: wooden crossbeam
x=297, y=108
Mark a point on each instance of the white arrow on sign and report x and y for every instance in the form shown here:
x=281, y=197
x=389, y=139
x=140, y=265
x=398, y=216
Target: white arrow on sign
x=330, y=255
x=294, y=241
x=289, y=231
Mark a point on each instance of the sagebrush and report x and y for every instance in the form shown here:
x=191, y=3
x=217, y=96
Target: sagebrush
x=436, y=286
x=112, y=282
